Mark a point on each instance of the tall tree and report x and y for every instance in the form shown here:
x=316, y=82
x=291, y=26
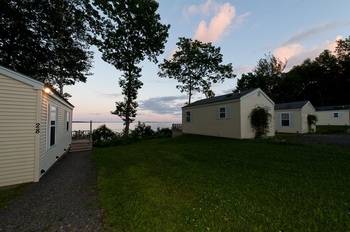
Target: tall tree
x=266, y=75
x=131, y=32
x=47, y=40
x=196, y=66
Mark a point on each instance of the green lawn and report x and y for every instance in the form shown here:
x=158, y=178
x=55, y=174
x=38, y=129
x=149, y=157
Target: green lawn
x=195, y=183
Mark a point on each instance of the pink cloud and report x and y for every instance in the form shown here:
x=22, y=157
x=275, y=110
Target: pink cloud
x=287, y=51
x=218, y=24
x=296, y=53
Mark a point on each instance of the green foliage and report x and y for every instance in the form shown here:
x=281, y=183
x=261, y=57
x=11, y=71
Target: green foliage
x=196, y=66
x=47, y=40
x=323, y=81
x=129, y=34
x=142, y=131
x=197, y=183
x=266, y=75
x=311, y=121
x=260, y=119
x=103, y=136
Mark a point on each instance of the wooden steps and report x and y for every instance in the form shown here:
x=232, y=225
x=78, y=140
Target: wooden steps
x=80, y=145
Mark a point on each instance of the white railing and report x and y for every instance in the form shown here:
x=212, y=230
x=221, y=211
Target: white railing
x=177, y=127
x=82, y=134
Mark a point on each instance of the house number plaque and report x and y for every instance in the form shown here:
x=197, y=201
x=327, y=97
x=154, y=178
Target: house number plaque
x=37, y=128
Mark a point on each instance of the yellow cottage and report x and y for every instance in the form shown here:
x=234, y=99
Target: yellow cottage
x=35, y=128
x=226, y=115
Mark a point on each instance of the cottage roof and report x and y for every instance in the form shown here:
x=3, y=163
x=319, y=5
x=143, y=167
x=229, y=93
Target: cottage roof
x=291, y=105
x=226, y=97
x=330, y=108
x=37, y=85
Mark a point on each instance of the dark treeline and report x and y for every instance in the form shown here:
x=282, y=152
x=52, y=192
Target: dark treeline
x=324, y=81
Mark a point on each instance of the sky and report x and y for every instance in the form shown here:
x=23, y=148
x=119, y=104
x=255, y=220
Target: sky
x=245, y=30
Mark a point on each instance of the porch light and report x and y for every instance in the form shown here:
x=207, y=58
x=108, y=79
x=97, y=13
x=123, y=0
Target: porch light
x=48, y=90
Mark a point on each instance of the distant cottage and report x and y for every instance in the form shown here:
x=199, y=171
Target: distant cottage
x=333, y=115
x=226, y=115
x=292, y=117
x=35, y=128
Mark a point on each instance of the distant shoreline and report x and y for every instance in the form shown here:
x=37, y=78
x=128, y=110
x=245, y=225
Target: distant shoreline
x=117, y=122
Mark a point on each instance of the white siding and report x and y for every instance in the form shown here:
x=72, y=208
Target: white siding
x=18, y=102
x=49, y=155
x=327, y=117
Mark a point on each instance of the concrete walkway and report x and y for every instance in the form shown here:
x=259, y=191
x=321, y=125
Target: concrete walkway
x=65, y=199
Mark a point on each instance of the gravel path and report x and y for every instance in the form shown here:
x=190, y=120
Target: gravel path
x=336, y=140
x=65, y=199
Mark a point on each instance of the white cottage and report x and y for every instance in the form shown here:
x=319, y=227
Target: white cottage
x=333, y=115
x=291, y=117
x=35, y=128
x=226, y=115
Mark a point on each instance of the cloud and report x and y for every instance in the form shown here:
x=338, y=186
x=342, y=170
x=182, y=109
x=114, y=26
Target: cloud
x=163, y=105
x=296, y=53
x=218, y=24
x=285, y=52
x=203, y=9
x=314, y=31
x=110, y=95
x=243, y=69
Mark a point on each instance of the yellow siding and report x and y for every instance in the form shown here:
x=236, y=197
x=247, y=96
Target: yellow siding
x=295, y=126
x=17, y=131
x=306, y=110
x=237, y=125
x=247, y=104
x=299, y=122
x=63, y=138
x=206, y=122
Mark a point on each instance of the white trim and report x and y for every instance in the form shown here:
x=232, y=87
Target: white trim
x=289, y=119
x=49, y=126
x=22, y=78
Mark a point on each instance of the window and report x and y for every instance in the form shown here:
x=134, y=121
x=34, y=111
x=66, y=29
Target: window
x=222, y=112
x=336, y=115
x=67, y=120
x=285, y=119
x=188, y=116
x=52, y=125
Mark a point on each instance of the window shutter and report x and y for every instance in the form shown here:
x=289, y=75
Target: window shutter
x=279, y=118
x=217, y=112
x=291, y=119
x=228, y=112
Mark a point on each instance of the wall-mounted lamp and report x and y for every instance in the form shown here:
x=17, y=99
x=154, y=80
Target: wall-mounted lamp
x=48, y=90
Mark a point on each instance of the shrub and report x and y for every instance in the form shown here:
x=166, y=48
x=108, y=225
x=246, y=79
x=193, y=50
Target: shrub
x=142, y=131
x=259, y=120
x=311, y=121
x=103, y=136
x=163, y=133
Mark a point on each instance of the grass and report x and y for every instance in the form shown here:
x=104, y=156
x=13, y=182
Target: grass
x=195, y=183
x=8, y=194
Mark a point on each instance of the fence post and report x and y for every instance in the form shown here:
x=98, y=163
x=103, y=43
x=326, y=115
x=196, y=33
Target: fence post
x=90, y=130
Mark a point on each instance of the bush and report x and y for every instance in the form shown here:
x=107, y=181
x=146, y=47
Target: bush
x=259, y=120
x=142, y=131
x=103, y=136
x=163, y=133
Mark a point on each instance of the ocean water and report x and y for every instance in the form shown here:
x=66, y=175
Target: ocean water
x=117, y=126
